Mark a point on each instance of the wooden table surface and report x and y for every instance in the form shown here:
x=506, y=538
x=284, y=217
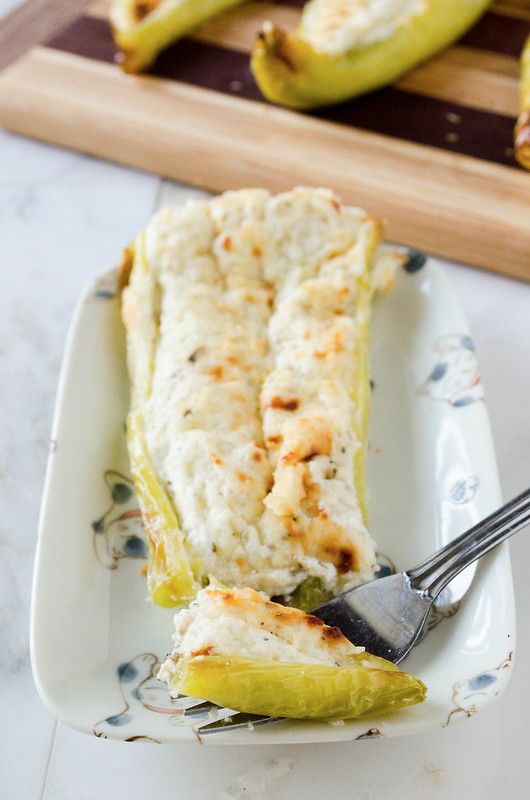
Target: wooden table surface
x=64, y=217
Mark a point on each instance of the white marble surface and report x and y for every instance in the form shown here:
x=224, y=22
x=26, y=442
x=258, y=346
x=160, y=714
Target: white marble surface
x=63, y=218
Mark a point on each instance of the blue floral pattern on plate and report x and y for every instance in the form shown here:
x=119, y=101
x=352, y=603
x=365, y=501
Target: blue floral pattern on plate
x=119, y=533
x=455, y=376
x=416, y=260
x=142, y=692
x=464, y=490
x=106, y=286
x=467, y=691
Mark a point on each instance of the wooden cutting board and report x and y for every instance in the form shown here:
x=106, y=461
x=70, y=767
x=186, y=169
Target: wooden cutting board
x=432, y=155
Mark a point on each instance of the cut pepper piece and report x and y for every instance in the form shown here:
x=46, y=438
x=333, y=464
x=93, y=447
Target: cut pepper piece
x=237, y=649
x=299, y=691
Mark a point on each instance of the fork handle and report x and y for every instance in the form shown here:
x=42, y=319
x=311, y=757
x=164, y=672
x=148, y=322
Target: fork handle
x=433, y=574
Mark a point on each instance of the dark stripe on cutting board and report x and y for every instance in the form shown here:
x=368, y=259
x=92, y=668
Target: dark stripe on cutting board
x=392, y=112
x=291, y=3
x=499, y=33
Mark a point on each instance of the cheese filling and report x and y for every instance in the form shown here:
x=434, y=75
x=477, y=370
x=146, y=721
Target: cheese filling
x=336, y=26
x=248, y=416
x=245, y=624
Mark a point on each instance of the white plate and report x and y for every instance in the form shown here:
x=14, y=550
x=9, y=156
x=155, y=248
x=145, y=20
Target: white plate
x=432, y=473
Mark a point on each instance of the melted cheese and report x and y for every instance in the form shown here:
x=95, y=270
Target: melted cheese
x=245, y=624
x=336, y=26
x=248, y=414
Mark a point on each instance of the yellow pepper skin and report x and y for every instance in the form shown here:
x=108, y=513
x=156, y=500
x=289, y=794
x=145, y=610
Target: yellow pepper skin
x=298, y=691
x=309, y=594
x=170, y=579
x=365, y=294
x=522, y=128
x=290, y=72
x=142, y=28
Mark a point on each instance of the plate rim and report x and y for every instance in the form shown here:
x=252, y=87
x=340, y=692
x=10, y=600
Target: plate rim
x=228, y=737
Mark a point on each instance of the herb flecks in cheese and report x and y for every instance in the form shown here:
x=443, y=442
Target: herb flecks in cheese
x=245, y=624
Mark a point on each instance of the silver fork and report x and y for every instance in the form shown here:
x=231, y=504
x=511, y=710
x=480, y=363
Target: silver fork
x=388, y=616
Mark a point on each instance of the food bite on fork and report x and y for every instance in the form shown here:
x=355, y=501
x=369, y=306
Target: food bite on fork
x=238, y=649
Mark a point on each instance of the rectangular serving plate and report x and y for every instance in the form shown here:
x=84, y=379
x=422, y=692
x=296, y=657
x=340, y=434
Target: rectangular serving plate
x=96, y=641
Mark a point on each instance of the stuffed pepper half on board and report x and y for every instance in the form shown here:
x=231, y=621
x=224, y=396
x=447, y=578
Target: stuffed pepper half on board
x=142, y=28
x=343, y=48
